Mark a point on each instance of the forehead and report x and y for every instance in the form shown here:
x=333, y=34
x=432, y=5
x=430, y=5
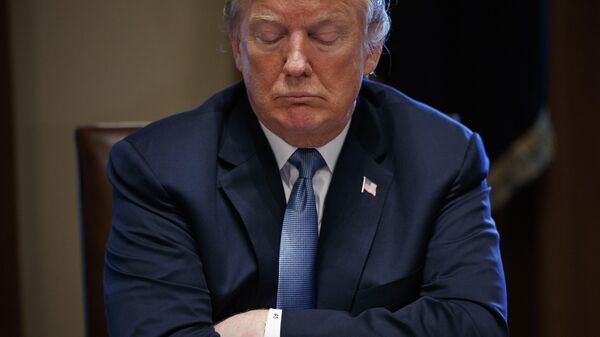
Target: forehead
x=303, y=10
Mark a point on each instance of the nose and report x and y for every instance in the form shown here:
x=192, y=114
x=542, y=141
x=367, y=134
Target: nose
x=296, y=62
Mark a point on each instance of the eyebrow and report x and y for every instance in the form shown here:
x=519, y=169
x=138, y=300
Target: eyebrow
x=318, y=22
x=264, y=17
x=330, y=18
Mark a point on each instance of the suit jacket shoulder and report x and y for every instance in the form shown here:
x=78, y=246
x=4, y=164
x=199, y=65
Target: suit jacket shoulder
x=199, y=126
x=415, y=137
x=404, y=119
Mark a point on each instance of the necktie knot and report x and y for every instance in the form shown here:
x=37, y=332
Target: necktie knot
x=307, y=161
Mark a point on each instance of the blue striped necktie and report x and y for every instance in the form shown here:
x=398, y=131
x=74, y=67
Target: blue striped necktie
x=299, y=236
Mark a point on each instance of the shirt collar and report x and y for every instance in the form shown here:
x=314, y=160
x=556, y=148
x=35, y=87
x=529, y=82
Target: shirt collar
x=283, y=151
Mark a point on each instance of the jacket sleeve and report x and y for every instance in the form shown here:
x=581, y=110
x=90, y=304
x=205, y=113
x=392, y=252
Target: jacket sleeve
x=463, y=291
x=154, y=283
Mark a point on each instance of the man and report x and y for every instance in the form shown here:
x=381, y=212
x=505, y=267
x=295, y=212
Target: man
x=387, y=228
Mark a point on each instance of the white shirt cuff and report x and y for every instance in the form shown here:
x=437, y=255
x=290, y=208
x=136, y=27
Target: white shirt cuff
x=273, y=323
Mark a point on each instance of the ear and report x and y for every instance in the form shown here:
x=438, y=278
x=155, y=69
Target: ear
x=373, y=55
x=234, y=40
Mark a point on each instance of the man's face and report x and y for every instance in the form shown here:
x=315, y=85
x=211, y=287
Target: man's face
x=303, y=63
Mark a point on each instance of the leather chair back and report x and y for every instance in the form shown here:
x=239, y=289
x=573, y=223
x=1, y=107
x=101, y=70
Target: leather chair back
x=93, y=145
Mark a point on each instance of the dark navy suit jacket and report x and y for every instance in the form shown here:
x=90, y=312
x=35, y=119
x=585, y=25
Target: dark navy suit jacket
x=199, y=203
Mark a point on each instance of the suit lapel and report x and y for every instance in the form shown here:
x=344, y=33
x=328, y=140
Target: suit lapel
x=351, y=217
x=250, y=178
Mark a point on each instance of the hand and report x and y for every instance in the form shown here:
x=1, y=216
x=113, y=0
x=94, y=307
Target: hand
x=247, y=324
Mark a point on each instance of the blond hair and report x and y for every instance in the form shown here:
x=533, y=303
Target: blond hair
x=377, y=27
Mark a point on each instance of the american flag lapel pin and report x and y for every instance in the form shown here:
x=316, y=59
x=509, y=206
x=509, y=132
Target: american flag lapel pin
x=368, y=186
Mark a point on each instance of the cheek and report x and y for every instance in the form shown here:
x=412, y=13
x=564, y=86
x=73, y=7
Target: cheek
x=343, y=75
x=263, y=68
x=345, y=66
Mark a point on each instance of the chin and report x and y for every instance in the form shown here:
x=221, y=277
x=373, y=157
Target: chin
x=306, y=134
x=302, y=124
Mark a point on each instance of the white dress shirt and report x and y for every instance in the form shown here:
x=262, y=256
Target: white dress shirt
x=289, y=174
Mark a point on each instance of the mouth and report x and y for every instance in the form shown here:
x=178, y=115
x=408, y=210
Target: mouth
x=298, y=98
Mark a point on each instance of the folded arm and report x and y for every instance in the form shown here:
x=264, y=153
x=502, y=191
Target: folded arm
x=154, y=280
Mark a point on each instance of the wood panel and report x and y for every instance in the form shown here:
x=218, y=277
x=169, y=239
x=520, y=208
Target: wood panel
x=9, y=290
x=569, y=229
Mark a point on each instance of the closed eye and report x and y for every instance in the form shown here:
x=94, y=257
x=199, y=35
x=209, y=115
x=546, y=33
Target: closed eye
x=326, y=38
x=269, y=37
x=267, y=31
